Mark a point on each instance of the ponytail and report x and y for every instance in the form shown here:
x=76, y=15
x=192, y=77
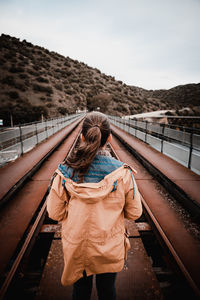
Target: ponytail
x=95, y=130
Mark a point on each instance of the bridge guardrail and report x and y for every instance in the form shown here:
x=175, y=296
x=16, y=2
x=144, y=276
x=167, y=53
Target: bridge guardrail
x=14, y=141
x=180, y=143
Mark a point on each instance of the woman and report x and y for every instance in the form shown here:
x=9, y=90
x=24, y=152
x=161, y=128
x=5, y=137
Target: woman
x=91, y=195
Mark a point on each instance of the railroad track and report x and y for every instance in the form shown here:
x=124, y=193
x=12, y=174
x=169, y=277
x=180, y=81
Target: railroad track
x=24, y=204
x=165, y=215
x=167, y=225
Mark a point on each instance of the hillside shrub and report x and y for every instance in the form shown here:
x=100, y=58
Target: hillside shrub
x=57, y=76
x=86, y=81
x=75, y=86
x=63, y=73
x=36, y=67
x=2, y=61
x=23, y=51
x=62, y=110
x=47, y=58
x=42, y=88
x=69, y=91
x=49, y=105
x=13, y=94
x=58, y=86
x=74, y=79
x=39, y=52
x=42, y=79
x=13, y=60
x=77, y=98
x=9, y=80
x=20, y=86
x=24, y=59
x=81, y=85
x=67, y=64
x=32, y=72
x=45, y=65
x=9, y=55
x=27, y=82
x=97, y=70
x=16, y=69
x=21, y=64
x=69, y=73
x=123, y=108
x=23, y=76
x=118, y=88
x=67, y=86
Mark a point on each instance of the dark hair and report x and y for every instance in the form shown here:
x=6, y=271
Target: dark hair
x=95, y=130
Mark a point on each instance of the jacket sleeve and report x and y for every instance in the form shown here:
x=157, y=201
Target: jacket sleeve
x=57, y=200
x=133, y=205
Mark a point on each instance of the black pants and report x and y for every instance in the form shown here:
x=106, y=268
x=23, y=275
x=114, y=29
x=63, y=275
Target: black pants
x=105, y=284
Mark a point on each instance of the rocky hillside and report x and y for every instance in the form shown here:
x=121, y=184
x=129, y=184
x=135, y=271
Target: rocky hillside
x=36, y=82
x=182, y=95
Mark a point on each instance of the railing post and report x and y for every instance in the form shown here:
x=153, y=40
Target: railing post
x=135, y=127
x=46, y=129
x=36, y=133
x=21, y=140
x=129, y=125
x=57, y=126
x=190, y=153
x=146, y=131
x=52, y=125
x=162, y=137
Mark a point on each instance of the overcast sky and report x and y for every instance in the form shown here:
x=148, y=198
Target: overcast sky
x=148, y=43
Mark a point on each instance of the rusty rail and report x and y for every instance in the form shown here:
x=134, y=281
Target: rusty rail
x=31, y=234
x=183, y=248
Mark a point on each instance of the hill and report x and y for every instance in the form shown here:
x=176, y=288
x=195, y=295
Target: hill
x=35, y=81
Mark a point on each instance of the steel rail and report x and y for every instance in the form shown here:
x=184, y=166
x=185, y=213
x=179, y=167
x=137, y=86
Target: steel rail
x=19, y=257
x=30, y=236
x=171, y=248
x=183, y=269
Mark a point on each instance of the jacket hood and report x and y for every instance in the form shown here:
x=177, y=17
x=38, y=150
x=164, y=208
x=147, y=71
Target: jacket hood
x=93, y=192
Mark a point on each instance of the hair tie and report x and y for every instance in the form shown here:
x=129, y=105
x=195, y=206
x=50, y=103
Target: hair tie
x=97, y=126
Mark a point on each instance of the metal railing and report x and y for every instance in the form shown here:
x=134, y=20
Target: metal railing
x=178, y=142
x=14, y=141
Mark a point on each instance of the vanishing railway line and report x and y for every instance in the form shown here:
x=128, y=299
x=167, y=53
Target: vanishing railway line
x=23, y=214
x=24, y=208
x=166, y=219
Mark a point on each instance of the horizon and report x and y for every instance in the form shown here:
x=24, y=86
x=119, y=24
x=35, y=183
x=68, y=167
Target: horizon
x=152, y=46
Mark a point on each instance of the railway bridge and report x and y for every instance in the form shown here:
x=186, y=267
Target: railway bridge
x=164, y=260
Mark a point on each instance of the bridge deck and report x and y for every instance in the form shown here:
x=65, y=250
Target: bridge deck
x=136, y=281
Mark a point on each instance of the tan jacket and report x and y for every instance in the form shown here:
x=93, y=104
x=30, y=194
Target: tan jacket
x=92, y=216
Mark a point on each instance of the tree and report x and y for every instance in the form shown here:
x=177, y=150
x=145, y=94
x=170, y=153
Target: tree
x=101, y=101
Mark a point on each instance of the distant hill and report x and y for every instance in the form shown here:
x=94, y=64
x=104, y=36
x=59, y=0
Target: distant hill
x=36, y=82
